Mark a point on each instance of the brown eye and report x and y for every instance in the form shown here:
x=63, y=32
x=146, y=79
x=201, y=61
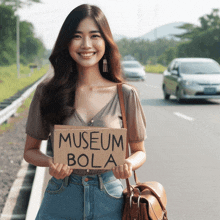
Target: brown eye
x=76, y=36
x=95, y=36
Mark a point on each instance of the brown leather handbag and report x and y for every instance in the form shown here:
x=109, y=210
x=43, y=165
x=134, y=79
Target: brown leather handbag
x=143, y=201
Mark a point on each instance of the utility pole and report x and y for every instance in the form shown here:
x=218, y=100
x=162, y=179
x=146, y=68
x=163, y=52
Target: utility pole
x=155, y=40
x=18, y=41
x=155, y=33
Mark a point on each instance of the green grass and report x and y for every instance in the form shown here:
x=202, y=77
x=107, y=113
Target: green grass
x=5, y=127
x=26, y=103
x=155, y=68
x=10, y=76
x=11, y=84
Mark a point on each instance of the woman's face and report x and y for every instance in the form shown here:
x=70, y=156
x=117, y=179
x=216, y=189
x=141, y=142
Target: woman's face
x=87, y=46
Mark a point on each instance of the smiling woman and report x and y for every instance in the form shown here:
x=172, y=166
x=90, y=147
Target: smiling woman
x=87, y=46
x=84, y=93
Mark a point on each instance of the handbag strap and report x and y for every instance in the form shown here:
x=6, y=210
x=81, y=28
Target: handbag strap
x=124, y=121
x=122, y=106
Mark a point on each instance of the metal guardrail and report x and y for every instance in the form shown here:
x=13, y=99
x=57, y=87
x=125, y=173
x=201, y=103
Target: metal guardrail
x=10, y=110
x=11, y=209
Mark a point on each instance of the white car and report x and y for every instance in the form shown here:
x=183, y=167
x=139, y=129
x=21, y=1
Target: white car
x=133, y=69
x=192, y=78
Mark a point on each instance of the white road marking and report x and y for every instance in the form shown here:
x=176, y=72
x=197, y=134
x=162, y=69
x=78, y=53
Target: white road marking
x=183, y=116
x=156, y=87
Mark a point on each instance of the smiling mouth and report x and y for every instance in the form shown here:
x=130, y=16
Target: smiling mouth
x=86, y=55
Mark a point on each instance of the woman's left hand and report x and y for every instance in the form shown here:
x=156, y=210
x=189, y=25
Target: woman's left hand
x=123, y=171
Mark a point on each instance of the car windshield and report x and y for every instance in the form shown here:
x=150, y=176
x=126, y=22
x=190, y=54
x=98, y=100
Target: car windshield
x=131, y=65
x=200, y=68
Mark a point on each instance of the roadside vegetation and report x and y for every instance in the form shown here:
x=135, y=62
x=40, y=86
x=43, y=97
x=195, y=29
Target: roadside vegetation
x=158, y=68
x=10, y=84
x=201, y=40
x=32, y=50
x=26, y=104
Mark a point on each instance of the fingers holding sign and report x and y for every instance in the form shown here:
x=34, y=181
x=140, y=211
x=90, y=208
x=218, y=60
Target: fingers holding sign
x=123, y=171
x=59, y=171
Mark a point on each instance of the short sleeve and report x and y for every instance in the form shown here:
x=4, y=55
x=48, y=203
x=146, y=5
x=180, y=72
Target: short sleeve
x=36, y=126
x=136, y=121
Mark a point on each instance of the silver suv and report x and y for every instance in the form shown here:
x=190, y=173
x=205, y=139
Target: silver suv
x=192, y=78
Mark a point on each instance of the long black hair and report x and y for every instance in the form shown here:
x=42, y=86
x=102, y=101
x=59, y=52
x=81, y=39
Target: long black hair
x=57, y=102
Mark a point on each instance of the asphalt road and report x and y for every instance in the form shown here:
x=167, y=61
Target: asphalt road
x=183, y=151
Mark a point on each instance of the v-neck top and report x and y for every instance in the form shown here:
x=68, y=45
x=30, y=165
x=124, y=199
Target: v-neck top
x=99, y=113
x=109, y=116
x=104, y=118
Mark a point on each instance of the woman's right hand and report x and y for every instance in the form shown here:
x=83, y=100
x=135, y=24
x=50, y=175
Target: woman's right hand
x=59, y=171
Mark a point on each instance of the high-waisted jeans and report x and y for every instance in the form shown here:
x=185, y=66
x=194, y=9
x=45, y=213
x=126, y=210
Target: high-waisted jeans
x=83, y=197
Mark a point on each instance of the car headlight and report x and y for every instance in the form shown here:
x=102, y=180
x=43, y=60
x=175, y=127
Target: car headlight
x=188, y=83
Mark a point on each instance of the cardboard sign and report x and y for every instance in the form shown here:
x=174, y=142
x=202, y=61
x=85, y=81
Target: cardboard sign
x=89, y=147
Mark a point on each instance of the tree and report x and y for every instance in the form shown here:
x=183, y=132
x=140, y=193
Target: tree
x=210, y=21
x=7, y=35
x=30, y=46
x=206, y=22
x=144, y=50
x=189, y=31
x=202, y=40
x=21, y=3
x=167, y=56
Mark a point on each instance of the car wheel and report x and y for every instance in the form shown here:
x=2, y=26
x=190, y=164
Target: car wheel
x=165, y=94
x=178, y=95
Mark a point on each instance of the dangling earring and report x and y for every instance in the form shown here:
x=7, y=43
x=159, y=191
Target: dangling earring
x=105, y=65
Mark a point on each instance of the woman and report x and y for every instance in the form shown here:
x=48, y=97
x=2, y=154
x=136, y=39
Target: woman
x=83, y=92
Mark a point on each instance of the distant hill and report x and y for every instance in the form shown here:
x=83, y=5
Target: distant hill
x=164, y=31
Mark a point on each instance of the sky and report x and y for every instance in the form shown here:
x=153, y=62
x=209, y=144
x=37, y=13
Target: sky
x=132, y=18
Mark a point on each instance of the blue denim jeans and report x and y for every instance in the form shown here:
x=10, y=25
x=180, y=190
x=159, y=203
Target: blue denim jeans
x=83, y=197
